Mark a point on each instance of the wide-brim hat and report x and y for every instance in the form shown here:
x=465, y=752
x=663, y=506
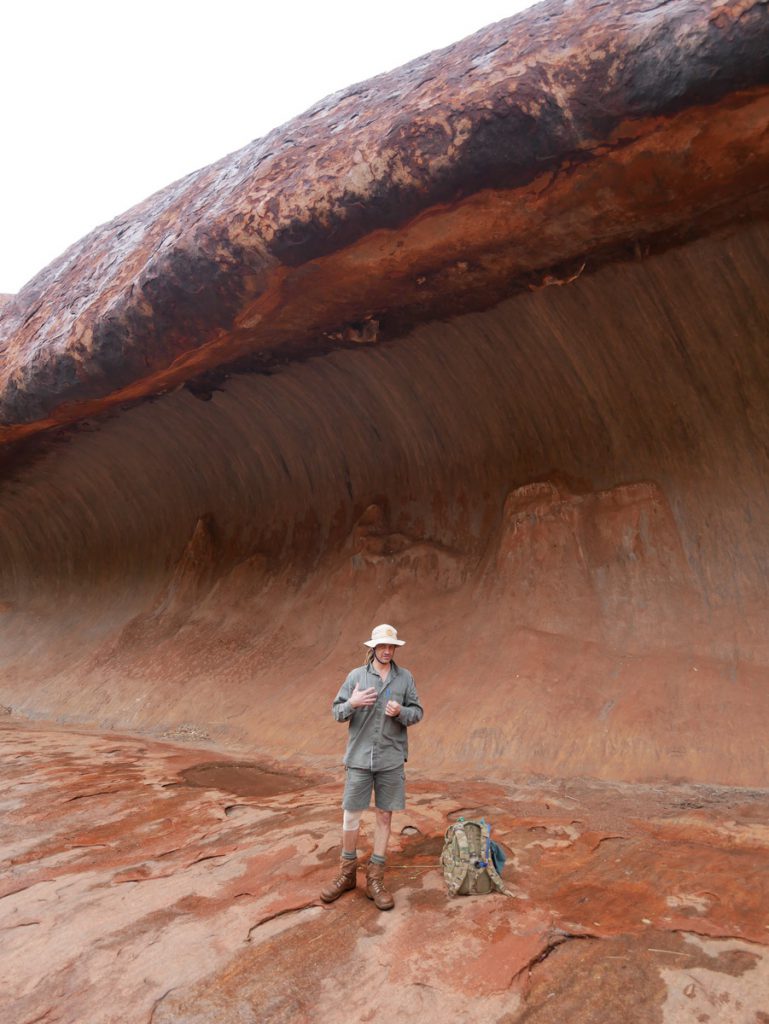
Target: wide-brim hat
x=384, y=634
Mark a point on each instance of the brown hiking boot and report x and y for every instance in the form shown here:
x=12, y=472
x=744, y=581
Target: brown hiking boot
x=343, y=882
x=375, y=887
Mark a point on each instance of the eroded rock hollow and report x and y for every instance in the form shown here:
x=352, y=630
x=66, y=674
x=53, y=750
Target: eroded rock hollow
x=478, y=347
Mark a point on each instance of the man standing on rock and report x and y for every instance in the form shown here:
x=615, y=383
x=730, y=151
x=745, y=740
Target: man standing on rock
x=380, y=702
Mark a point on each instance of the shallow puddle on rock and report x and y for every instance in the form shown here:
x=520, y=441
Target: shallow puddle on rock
x=429, y=847
x=241, y=779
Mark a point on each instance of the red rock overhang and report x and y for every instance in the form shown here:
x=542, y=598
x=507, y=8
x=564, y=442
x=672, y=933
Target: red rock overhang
x=574, y=133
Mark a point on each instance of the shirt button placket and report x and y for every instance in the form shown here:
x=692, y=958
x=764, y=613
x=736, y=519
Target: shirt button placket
x=377, y=733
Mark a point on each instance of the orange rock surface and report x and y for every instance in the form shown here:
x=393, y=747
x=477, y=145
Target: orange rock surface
x=146, y=882
x=478, y=348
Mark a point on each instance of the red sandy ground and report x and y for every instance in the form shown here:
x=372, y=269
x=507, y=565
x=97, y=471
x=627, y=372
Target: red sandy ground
x=130, y=892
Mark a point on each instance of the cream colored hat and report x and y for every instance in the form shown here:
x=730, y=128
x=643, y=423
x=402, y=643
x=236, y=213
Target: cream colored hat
x=384, y=634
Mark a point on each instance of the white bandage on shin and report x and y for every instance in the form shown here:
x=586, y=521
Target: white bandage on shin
x=351, y=821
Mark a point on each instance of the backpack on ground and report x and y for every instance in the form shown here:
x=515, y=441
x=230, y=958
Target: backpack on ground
x=468, y=859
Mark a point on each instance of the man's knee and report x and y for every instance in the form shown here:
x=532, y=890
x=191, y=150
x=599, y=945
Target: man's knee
x=351, y=820
x=385, y=817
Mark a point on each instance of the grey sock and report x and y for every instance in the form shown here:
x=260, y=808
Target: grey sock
x=377, y=859
x=347, y=855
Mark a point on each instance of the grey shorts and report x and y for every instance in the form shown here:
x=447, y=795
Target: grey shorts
x=389, y=789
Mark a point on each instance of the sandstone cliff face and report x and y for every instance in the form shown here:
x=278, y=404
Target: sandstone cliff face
x=478, y=347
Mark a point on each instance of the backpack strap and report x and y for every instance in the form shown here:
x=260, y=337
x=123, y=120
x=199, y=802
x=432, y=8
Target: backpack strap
x=494, y=875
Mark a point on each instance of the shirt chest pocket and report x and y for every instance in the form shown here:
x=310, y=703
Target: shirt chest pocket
x=396, y=692
x=391, y=727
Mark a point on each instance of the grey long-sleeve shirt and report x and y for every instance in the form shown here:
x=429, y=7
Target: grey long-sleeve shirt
x=374, y=740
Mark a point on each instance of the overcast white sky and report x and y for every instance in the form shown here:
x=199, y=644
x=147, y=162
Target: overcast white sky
x=105, y=102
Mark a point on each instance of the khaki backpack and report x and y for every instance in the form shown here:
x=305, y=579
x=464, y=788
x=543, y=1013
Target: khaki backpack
x=468, y=861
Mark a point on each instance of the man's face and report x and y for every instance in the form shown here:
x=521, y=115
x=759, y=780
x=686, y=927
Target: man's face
x=384, y=653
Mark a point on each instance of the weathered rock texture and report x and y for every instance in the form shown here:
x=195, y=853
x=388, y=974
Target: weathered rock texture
x=142, y=883
x=482, y=351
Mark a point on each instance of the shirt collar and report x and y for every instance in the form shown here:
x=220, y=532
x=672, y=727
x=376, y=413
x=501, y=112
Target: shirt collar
x=370, y=668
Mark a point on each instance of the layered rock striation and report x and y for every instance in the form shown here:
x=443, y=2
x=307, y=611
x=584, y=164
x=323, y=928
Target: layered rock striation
x=477, y=347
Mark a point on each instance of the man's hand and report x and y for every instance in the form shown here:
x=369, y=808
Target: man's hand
x=362, y=698
x=392, y=708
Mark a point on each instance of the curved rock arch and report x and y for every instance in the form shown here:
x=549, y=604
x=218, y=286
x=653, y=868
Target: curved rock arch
x=481, y=348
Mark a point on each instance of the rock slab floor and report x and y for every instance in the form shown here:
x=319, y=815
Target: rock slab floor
x=160, y=884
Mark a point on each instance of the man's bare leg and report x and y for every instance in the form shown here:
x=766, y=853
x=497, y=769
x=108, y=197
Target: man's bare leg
x=350, y=841
x=382, y=832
